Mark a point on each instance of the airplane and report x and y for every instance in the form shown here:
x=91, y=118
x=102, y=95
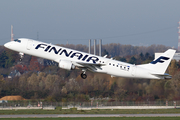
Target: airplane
x=70, y=59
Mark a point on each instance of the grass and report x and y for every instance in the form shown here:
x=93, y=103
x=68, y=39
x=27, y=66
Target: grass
x=97, y=111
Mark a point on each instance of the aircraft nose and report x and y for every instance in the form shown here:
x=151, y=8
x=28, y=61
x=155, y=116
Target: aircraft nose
x=7, y=45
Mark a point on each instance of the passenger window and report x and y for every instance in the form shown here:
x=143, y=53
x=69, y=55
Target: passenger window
x=109, y=63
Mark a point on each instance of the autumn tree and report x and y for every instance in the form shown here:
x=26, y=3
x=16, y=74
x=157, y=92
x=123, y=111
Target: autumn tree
x=175, y=83
x=34, y=65
x=21, y=68
x=33, y=82
x=172, y=67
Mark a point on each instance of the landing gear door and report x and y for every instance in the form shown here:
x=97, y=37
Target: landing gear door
x=29, y=44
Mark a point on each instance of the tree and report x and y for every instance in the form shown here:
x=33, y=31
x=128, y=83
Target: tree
x=21, y=68
x=105, y=53
x=50, y=81
x=33, y=82
x=169, y=92
x=175, y=83
x=133, y=60
x=123, y=59
x=172, y=67
x=141, y=57
x=6, y=59
x=34, y=65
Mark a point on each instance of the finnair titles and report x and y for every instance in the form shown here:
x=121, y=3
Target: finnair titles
x=71, y=54
x=70, y=59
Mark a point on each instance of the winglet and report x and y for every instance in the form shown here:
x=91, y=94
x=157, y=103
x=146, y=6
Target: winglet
x=105, y=56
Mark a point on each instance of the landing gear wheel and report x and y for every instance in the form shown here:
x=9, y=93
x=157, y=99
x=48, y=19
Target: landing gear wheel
x=83, y=76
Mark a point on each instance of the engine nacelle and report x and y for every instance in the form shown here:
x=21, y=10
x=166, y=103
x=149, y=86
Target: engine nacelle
x=66, y=65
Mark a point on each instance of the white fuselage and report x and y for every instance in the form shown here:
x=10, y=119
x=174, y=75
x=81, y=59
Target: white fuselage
x=56, y=53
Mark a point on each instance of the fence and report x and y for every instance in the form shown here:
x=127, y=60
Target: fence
x=87, y=104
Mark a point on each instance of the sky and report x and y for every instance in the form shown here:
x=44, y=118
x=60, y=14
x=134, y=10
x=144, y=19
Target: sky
x=134, y=22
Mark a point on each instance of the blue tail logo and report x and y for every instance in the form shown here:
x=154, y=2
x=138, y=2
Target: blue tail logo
x=160, y=60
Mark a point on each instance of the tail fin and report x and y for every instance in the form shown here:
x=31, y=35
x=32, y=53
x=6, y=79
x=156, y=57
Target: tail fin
x=160, y=64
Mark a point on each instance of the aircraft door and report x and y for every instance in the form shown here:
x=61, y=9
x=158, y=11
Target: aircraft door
x=133, y=70
x=29, y=44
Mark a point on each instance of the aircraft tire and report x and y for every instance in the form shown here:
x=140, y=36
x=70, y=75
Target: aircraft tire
x=83, y=76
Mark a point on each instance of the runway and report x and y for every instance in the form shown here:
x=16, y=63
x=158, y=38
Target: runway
x=87, y=115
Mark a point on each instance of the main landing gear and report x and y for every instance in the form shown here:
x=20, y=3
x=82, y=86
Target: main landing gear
x=83, y=75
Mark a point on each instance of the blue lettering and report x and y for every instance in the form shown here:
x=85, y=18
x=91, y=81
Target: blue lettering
x=79, y=55
x=94, y=59
x=55, y=51
x=85, y=57
x=47, y=48
x=65, y=52
x=39, y=46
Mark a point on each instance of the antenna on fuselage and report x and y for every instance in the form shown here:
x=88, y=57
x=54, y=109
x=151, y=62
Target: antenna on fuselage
x=12, y=35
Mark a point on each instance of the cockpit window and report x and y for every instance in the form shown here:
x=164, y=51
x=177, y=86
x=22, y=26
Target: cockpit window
x=16, y=40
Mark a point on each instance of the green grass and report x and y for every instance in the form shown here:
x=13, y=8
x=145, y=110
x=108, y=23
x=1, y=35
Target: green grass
x=101, y=118
x=97, y=111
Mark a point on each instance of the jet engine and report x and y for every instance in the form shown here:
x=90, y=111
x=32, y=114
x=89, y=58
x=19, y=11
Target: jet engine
x=66, y=65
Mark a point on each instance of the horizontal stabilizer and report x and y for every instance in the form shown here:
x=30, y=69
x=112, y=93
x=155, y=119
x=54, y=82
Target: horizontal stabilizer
x=164, y=76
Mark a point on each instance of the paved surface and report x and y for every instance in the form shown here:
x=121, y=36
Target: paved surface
x=88, y=115
x=91, y=108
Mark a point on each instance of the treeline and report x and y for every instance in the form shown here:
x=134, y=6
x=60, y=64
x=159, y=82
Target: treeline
x=120, y=50
x=38, y=80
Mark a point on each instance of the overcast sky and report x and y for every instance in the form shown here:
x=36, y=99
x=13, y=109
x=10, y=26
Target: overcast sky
x=135, y=22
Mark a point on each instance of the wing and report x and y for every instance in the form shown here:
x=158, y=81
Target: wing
x=84, y=65
x=90, y=66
